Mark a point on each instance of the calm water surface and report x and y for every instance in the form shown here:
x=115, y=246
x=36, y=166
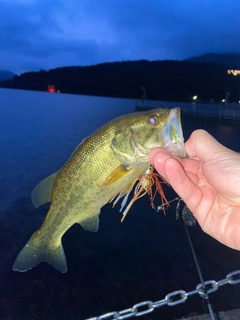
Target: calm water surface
x=143, y=258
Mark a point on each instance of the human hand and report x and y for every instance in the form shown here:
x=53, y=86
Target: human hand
x=208, y=182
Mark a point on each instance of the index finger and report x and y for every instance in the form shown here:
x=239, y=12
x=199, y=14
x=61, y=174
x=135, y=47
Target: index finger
x=159, y=155
x=184, y=186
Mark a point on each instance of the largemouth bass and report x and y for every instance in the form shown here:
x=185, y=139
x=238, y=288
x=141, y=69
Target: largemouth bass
x=105, y=165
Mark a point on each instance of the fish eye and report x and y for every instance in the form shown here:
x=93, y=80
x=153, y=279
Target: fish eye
x=152, y=120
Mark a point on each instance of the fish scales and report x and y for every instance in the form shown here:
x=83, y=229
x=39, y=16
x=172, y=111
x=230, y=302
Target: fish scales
x=104, y=164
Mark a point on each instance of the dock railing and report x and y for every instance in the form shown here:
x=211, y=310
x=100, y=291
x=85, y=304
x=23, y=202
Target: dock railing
x=229, y=112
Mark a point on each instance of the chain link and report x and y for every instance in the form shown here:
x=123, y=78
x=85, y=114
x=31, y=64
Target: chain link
x=171, y=299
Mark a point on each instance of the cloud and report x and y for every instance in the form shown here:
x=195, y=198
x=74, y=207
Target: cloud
x=37, y=34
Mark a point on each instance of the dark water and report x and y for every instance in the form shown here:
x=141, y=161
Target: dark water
x=144, y=258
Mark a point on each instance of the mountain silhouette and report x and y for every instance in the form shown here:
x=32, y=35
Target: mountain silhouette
x=162, y=80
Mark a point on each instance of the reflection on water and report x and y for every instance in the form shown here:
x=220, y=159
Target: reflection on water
x=143, y=258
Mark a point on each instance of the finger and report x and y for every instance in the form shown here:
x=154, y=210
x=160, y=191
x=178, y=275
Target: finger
x=189, y=165
x=155, y=151
x=158, y=158
x=203, y=146
x=182, y=184
x=160, y=155
x=193, y=177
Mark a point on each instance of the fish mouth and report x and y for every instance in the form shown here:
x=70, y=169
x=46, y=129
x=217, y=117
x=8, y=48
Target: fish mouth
x=173, y=135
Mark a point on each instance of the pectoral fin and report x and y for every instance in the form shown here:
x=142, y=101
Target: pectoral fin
x=91, y=224
x=42, y=193
x=117, y=174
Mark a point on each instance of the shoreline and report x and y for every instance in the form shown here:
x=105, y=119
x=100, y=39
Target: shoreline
x=226, y=112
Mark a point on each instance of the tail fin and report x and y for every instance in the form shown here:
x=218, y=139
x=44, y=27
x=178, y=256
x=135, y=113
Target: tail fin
x=31, y=255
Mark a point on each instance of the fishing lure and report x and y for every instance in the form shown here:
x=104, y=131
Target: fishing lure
x=149, y=183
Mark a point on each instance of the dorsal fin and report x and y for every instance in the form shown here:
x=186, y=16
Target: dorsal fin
x=42, y=193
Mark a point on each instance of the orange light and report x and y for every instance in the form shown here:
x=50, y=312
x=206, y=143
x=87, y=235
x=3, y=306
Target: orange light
x=51, y=89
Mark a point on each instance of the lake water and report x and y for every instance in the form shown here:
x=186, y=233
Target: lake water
x=144, y=258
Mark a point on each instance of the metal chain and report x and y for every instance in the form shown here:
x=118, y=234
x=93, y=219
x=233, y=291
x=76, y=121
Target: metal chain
x=171, y=299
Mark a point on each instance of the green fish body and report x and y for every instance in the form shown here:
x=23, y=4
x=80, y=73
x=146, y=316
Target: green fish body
x=106, y=164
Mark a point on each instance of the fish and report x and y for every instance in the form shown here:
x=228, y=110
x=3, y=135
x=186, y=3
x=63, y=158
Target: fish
x=105, y=165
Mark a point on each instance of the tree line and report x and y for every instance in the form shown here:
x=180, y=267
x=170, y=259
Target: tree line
x=162, y=80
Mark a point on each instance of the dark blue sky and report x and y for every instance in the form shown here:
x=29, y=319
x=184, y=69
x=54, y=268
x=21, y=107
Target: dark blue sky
x=44, y=34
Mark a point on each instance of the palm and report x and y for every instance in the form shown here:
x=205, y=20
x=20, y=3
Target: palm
x=208, y=182
x=218, y=204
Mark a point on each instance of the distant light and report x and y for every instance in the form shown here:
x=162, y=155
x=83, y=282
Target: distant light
x=234, y=72
x=194, y=97
x=239, y=101
x=223, y=100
